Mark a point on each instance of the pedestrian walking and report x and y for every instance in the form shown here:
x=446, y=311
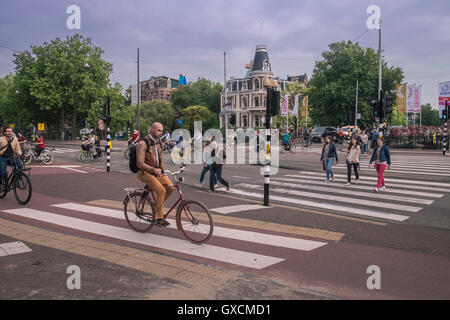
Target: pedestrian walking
x=207, y=162
x=352, y=160
x=219, y=157
x=329, y=153
x=382, y=158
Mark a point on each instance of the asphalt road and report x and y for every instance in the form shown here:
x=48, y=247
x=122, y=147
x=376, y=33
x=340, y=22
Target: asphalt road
x=404, y=231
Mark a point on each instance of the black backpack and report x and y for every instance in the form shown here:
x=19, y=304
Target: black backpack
x=133, y=157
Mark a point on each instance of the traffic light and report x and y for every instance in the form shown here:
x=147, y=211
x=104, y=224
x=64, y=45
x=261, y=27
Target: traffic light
x=376, y=108
x=275, y=98
x=350, y=118
x=387, y=105
x=445, y=113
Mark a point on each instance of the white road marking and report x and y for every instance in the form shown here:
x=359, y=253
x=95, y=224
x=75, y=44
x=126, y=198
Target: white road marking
x=378, y=204
x=333, y=189
x=411, y=181
x=360, y=186
x=357, y=211
x=250, y=236
x=232, y=256
x=238, y=208
x=11, y=248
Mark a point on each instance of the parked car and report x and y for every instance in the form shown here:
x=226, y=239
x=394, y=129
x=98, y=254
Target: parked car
x=319, y=133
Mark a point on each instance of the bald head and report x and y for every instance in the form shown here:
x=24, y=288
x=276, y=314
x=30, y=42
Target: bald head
x=156, y=130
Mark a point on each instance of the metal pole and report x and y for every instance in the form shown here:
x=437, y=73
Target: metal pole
x=444, y=141
x=108, y=138
x=138, y=95
x=225, y=89
x=267, y=151
x=379, y=63
x=356, y=105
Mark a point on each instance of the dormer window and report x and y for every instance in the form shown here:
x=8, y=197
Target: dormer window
x=266, y=65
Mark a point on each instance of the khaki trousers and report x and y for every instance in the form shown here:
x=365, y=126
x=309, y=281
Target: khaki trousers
x=156, y=184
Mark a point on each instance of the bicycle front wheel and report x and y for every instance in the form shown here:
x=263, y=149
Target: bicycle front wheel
x=195, y=221
x=139, y=212
x=27, y=158
x=127, y=153
x=47, y=157
x=22, y=188
x=84, y=156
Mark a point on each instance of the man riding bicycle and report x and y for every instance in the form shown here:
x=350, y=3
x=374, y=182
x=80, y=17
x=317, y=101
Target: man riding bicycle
x=151, y=170
x=9, y=150
x=40, y=145
x=88, y=144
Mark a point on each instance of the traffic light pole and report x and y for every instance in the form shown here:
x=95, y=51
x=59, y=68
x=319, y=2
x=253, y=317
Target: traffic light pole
x=267, y=151
x=108, y=138
x=444, y=142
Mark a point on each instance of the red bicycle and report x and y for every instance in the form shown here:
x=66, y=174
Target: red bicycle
x=192, y=217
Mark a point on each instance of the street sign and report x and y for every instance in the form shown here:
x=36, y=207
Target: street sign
x=358, y=116
x=41, y=126
x=228, y=107
x=11, y=125
x=180, y=121
x=101, y=124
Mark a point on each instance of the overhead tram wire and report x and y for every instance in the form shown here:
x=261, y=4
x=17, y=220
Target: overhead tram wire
x=361, y=35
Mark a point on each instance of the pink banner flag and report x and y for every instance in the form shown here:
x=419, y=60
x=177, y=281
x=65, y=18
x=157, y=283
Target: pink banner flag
x=284, y=109
x=417, y=99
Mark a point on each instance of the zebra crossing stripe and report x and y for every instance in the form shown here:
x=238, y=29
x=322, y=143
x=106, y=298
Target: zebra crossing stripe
x=328, y=206
x=378, y=204
x=250, y=236
x=232, y=256
x=238, y=208
x=335, y=189
x=360, y=186
x=428, y=183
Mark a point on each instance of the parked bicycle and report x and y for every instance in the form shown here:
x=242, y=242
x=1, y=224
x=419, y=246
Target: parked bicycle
x=86, y=154
x=192, y=218
x=19, y=182
x=30, y=155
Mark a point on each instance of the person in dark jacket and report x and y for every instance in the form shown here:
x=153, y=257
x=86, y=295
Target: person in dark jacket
x=329, y=153
x=382, y=158
x=219, y=157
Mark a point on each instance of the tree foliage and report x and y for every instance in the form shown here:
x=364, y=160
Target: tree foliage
x=333, y=83
x=203, y=92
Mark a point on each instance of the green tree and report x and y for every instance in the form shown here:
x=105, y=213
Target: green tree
x=430, y=116
x=202, y=92
x=63, y=79
x=397, y=118
x=155, y=111
x=196, y=113
x=333, y=83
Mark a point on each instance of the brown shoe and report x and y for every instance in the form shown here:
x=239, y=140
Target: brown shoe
x=162, y=222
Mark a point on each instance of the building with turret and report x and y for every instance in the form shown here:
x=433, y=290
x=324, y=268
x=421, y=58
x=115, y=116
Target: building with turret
x=246, y=97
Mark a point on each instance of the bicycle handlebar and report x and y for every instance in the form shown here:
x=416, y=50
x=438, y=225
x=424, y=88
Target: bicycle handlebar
x=177, y=172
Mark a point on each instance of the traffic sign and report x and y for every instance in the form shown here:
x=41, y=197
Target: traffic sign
x=180, y=121
x=101, y=124
x=11, y=125
x=41, y=126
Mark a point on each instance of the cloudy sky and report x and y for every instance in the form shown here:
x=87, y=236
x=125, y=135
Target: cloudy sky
x=190, y=36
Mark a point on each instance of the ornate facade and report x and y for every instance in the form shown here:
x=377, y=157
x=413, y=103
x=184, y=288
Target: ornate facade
x=247, y=96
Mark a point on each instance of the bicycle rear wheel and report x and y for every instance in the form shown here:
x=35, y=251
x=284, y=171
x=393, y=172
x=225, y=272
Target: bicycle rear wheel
x=195, y=221
x=84, y=156
x=139, y=212
x=127, y=153
x=22, y=188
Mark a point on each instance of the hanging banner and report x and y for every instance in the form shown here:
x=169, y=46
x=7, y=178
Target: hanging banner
x=410, y=98
x=444, y=95
x=304, y=106
x=401, y=97
x=416, y=108
x=284, y=109
x=295, y=110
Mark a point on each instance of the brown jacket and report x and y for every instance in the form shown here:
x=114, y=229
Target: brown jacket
x=14, y=144
x=148, y=160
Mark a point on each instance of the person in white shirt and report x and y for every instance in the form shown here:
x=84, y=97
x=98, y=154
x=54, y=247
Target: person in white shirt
x=352, y=160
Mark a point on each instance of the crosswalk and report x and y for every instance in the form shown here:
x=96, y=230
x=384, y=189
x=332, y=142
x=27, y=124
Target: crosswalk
x=64, y=150
x=229, y=245
x=404, y=197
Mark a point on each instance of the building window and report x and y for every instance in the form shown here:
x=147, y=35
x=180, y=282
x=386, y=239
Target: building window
x=256, y=84
x=244, y=121
x=256, y=101
x=266, y=65
x=256, y=121
x=244, y=102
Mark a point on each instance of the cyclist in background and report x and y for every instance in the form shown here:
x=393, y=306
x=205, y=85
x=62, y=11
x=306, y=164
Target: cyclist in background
x=40, y=145
x=9, y=149
x=135, y=138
